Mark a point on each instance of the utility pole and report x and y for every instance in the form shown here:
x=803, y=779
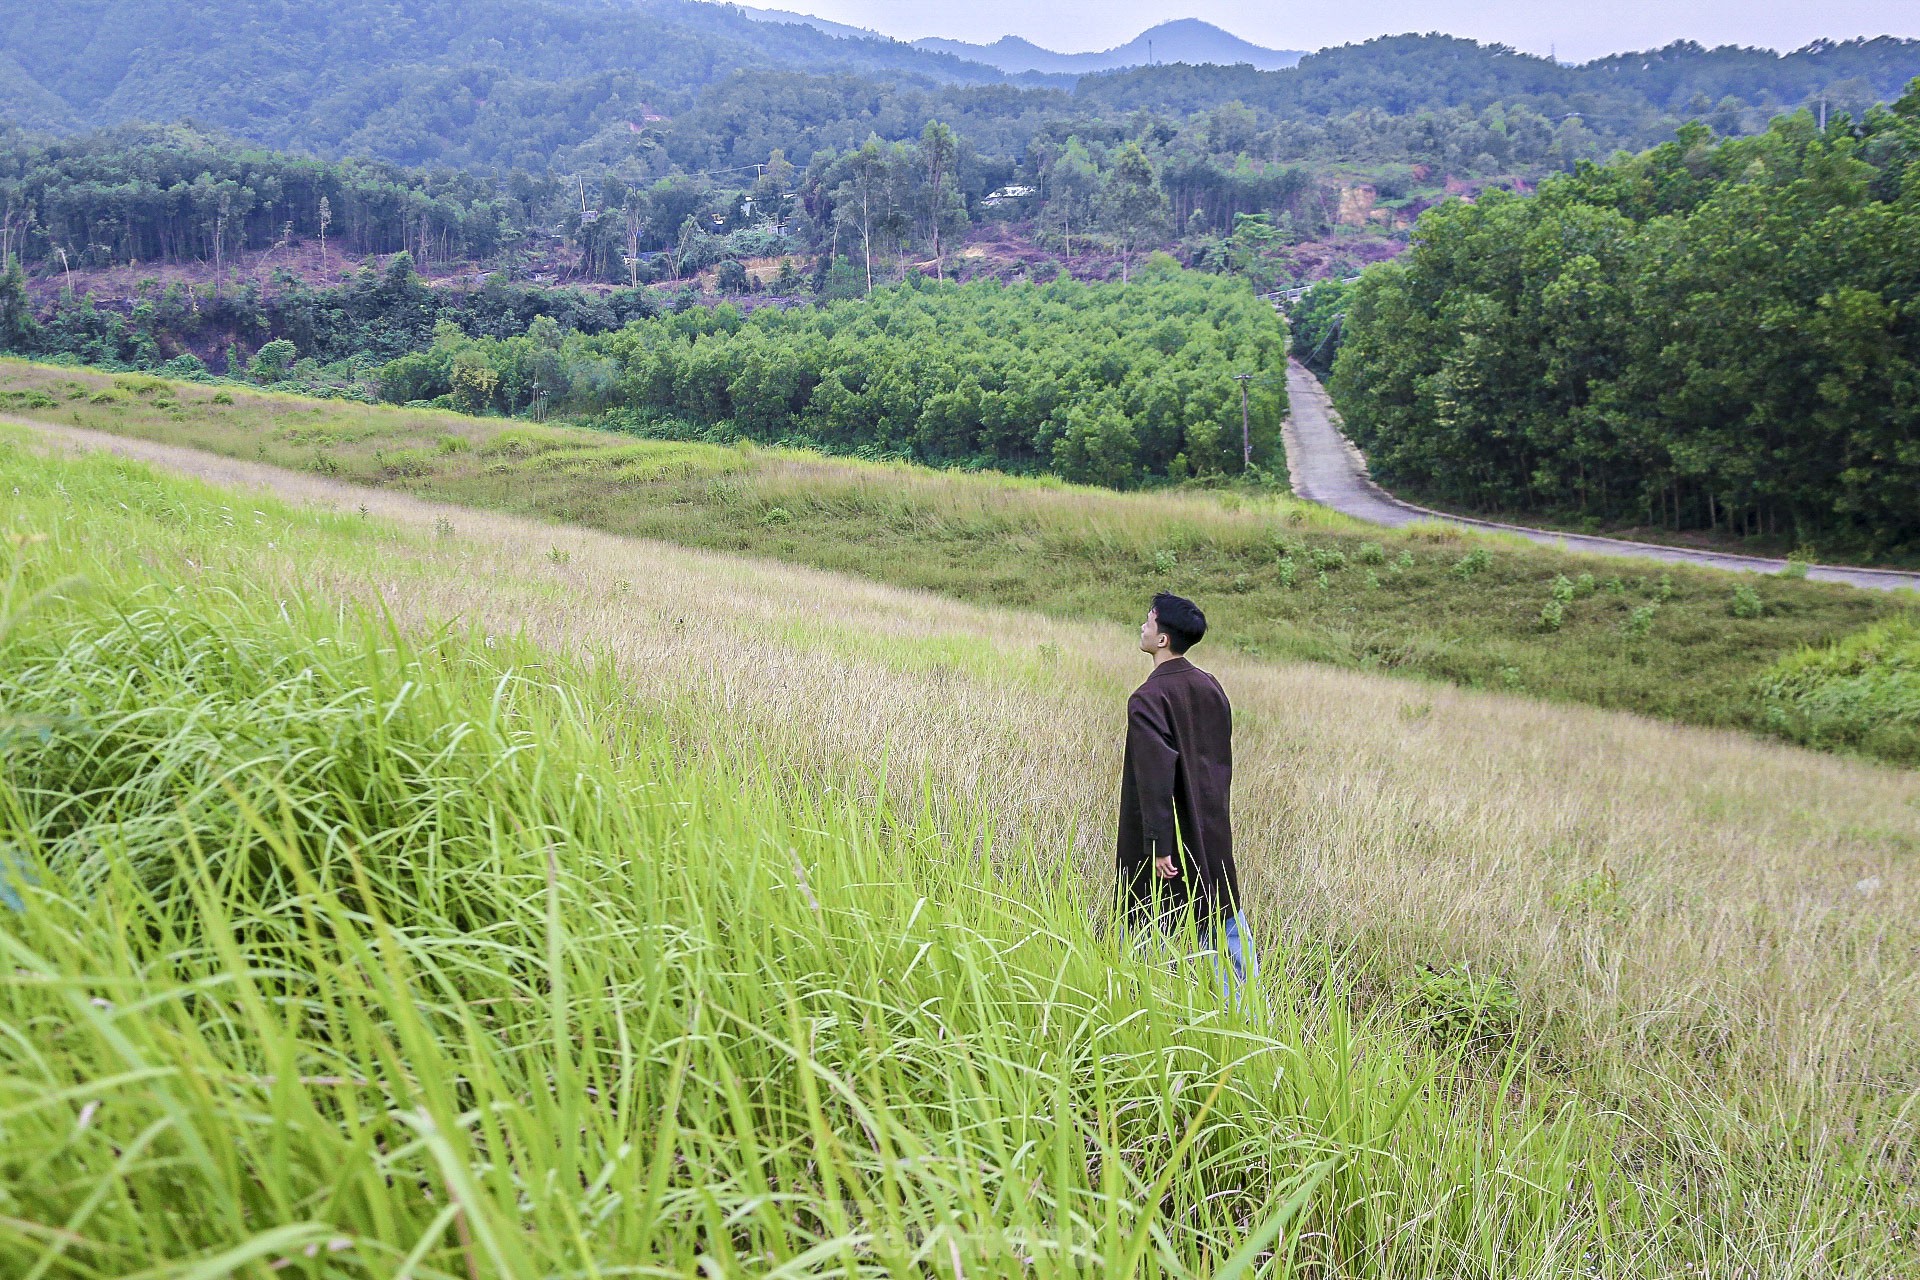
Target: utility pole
x=1246, y=434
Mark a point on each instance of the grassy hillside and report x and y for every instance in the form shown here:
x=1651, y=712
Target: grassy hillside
x=507, y=907
x=1279, y=578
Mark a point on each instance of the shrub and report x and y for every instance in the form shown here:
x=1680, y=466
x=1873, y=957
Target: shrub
x=1861, y=692
x=1474, y=562
x=1583, y=586
x=1794, y=569
x=1460, y=1007
x=1640, y=622
x=776, y=515
x=272, y=361
x=1327, y=559
x=1746, y=603
x=1164, y=563
x=453, y=444
x=1562, y=590
x=1371, y=553
x=222, y=397
x=1289, y=570
x=1552, y=615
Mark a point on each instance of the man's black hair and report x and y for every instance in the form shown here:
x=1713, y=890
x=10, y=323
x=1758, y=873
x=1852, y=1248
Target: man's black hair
x=1180, y=619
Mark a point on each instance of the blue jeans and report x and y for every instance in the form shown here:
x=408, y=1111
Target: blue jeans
x=1237, y=944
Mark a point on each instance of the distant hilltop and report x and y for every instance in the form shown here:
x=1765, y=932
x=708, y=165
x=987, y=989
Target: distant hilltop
x=1185, y=40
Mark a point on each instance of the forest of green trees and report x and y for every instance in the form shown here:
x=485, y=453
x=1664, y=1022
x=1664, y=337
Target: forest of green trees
x=1711, y=335
x=646, y=142
x=1670, y=332
x=1100, y=383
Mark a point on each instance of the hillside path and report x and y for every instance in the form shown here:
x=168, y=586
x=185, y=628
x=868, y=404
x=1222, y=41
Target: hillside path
x=1326, y=468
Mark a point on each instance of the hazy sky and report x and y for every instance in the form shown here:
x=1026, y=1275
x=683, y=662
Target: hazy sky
x=1576, y=31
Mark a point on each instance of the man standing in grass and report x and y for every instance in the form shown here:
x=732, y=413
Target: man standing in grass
x=1176, y=832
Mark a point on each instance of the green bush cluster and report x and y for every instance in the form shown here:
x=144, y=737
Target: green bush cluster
x=1862, y=692
x=1103, y=384
x=1474, y=562
x=1460, y=1007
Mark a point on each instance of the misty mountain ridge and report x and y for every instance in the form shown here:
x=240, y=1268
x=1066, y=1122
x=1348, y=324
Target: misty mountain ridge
x=1187, y=40
x=1183, y=40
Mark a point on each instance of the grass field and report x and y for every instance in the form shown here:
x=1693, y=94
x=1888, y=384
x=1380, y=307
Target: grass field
x=1280, y=579
x=406, y=890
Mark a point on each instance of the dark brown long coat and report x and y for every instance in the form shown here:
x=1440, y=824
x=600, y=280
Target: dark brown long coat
x=1174, y=794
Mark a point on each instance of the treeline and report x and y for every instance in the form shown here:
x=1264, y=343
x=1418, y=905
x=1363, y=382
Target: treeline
x=1407, y=74
x=169, y=194
x=1706, y=336
x=1104, y=384
x=690, y=131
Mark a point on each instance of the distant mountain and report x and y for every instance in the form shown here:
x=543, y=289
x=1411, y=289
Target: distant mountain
x=498, y=82
x=1187, y=40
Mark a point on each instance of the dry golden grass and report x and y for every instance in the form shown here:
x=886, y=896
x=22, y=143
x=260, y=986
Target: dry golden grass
x=1720, y=933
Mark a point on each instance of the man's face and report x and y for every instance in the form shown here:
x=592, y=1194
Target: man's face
x=1151, y=641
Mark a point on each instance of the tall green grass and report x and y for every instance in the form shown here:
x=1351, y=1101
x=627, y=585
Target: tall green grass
x=344, y=952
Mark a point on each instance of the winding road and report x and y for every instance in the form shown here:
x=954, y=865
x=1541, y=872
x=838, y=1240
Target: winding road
x=1326, y=468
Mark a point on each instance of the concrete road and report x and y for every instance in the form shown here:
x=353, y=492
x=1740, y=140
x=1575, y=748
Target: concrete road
x=1327, y=469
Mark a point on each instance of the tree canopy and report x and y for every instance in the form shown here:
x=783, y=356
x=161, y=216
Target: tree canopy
x=1101, y=383
x=1708, y=335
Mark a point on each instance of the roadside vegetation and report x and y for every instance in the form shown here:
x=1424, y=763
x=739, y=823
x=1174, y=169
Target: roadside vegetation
x=1714, y=335
x=475, y=938
x=1282, y=579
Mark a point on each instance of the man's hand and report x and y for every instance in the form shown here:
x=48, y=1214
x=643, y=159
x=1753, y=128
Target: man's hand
x=1166, y=869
